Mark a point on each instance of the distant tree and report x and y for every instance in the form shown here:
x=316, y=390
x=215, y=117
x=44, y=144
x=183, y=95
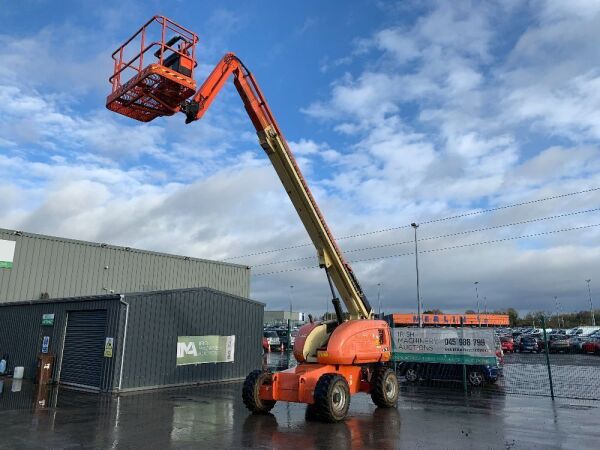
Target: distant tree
x=470, y=311
x=433, y=311
x=513, y=316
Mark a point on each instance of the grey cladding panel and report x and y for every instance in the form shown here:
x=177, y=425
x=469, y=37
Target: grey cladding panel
x=157, y=319
x=66, y=268
x=21, y=331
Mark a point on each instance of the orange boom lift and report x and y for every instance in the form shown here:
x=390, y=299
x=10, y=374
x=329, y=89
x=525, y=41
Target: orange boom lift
x=336, y=358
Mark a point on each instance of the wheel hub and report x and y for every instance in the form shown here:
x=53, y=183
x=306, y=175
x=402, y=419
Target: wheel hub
x=339, y=398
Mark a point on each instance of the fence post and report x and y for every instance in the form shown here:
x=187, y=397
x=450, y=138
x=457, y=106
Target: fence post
x=464, y=367
x=546, y=346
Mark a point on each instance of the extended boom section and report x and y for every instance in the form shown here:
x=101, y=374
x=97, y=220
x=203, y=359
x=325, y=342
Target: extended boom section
x=275, y=146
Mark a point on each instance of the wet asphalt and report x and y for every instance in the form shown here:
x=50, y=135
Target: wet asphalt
x=213, y=416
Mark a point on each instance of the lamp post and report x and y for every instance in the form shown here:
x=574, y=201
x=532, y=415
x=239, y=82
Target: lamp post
x=477, y=294
x=379, y=299
x=591, y=305
x=415, y=226
x=557, y=313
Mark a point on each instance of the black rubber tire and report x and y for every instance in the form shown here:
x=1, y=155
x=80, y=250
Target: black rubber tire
x=332, y=398
x=311, y=413
x=384, y=387
x=250, y=392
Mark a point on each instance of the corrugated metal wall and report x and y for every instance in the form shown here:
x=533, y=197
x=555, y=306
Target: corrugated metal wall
x=157, y=319
x=22, y=333
x=68, y=268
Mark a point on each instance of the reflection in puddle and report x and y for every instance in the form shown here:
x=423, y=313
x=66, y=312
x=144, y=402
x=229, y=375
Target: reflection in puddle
x=19, y=394
x=381, y=430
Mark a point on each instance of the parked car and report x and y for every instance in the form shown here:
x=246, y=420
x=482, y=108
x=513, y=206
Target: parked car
x=265, y=344
x=477, y=375
x=559, y=343
x=530, y=343
x=592, y=345
x=272, y=339
x=581, y=335
x=283, y=337
x=507, y=343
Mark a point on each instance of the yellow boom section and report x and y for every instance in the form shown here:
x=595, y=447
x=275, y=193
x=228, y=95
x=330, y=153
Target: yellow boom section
x=330, y=256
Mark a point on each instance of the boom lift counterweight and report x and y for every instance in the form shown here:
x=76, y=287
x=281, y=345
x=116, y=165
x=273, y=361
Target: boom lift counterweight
x=335, y=358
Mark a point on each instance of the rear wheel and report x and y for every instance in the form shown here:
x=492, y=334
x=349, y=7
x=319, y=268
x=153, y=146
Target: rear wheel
x=332, y=398
x=384, y=387
x=251, y=392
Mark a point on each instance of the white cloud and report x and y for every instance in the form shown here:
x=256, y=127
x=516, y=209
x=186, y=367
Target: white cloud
x=436, y=116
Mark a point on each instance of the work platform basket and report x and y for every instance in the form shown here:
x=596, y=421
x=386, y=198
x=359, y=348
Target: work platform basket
x=144, y=92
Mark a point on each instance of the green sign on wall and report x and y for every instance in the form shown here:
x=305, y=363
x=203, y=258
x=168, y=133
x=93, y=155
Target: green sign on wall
x=47, y=319
x=204, y=349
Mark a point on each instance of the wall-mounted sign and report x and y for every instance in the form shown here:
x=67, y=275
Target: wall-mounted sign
x=451, y=319
x=108, y=347
x=45, y=344
x=7, y=253
x=47, y=319
x=205, y=349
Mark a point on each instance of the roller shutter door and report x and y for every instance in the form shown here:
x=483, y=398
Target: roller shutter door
x=83, y=352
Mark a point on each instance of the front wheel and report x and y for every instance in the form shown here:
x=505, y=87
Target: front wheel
x=251, y=392
x=332, y=398
x=384, y=387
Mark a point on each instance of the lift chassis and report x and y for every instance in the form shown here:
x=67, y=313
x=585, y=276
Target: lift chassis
x=336, y=358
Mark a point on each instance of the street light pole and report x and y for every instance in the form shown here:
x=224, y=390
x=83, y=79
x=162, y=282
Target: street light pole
x=591, y=305
x=557, y=313
x=379, y=299
x=415, y=226
x=477, y=294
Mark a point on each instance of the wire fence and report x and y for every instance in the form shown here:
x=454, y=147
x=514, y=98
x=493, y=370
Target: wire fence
x=542, y=363
x=557, y=365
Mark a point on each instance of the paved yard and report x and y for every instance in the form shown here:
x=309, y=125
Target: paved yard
x=214, y=417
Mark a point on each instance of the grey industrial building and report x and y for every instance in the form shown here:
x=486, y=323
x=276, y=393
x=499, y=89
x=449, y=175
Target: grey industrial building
x=70, y=299
x=52, y=267
x=143, y=330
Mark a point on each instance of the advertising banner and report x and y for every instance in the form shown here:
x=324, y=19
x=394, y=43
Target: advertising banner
x=204, y=349
x=445, y=345
x=7, y=253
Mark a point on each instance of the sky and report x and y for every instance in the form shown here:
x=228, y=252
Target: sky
x=397, y=112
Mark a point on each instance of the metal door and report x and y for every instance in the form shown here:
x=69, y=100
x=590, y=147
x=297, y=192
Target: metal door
x=83, y=351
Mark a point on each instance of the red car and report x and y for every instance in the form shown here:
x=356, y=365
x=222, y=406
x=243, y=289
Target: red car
x=265, y=344
x=508, y=344
x=592, y=346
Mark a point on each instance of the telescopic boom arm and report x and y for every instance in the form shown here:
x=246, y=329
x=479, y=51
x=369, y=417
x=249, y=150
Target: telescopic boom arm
x=274, y=144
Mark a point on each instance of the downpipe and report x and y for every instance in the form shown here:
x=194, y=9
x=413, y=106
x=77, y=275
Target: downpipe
x=122, y=301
